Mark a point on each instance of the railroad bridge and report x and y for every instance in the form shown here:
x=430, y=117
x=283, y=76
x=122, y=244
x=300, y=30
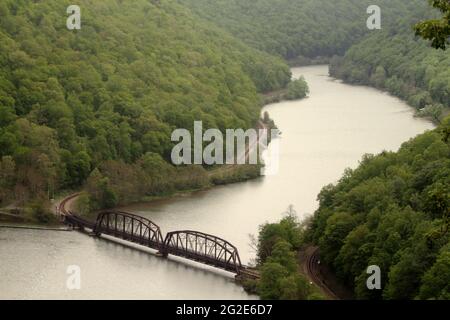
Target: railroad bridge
x=193, y=245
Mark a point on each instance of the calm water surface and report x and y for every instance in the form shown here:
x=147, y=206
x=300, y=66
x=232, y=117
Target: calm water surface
x=322, y=135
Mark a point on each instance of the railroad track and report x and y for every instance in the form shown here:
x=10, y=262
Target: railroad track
x=68, y=217
x=62, y=206
x=313, y=271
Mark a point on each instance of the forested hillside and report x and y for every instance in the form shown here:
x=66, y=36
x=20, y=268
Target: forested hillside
x=111, y=93
x=391, y=59
x=394, y=60
x=309, y=28
x=393, y=211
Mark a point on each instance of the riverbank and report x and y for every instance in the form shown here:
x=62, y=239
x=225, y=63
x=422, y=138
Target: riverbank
x=296, y=90
x=424, y=113
x=302, y=61
x=419, y=98
x=274, y=96
x=220, y=175
x=28, y=216
x=21, y=219
x=36, y=213
x=278, y=96
x=223, y=175
x=190, y=179
x=34, y=227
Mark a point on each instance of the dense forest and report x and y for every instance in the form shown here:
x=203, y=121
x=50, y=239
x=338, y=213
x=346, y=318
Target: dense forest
x=94, y=109
x=394, y=60
x=391, y=59
x=277, y=249
x=309, y=28
x=392, y=211
x=86, y=103
x=101, y=102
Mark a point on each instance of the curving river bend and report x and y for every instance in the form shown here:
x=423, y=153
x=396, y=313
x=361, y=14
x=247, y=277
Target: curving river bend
x=322, y=135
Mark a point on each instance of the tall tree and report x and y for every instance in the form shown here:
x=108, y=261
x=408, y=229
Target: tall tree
x=437, y=30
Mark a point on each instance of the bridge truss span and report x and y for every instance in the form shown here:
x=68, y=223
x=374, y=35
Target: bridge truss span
x=203, y=248
x=193, y=245
x=130, y=227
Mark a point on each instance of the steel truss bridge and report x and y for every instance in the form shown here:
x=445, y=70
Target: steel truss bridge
x=193, y=245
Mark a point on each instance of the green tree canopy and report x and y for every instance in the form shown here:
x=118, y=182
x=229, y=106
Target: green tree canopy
x=437, y=30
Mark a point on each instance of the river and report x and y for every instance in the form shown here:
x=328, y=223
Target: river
x=322, y=135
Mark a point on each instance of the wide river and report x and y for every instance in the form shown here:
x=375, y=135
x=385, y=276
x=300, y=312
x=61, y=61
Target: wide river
x=321, y=136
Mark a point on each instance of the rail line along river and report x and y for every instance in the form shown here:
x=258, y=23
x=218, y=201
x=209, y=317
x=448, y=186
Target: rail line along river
x=322, y=135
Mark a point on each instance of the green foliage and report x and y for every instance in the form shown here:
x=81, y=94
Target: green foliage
x=270, y=286
x=100, y=191
x=297, y=89
x=287, y=230
x=236, y=174
x=307, y=28
x=392, y=211
x=283, y=254
x=82, y=204
x=436, y=282
x=338, y=226
x=278, y=283
x=70, y=101
x=436, y=30
x=278, y=244
x=392, y=59
x=40, y=212
x=116, y=182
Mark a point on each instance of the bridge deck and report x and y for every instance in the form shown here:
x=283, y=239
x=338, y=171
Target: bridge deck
x=135, y=239
x=192, y=245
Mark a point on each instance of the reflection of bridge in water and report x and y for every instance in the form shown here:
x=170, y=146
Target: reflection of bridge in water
x=193, y=245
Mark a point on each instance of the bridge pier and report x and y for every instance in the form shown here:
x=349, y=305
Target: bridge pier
x=162, y=254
